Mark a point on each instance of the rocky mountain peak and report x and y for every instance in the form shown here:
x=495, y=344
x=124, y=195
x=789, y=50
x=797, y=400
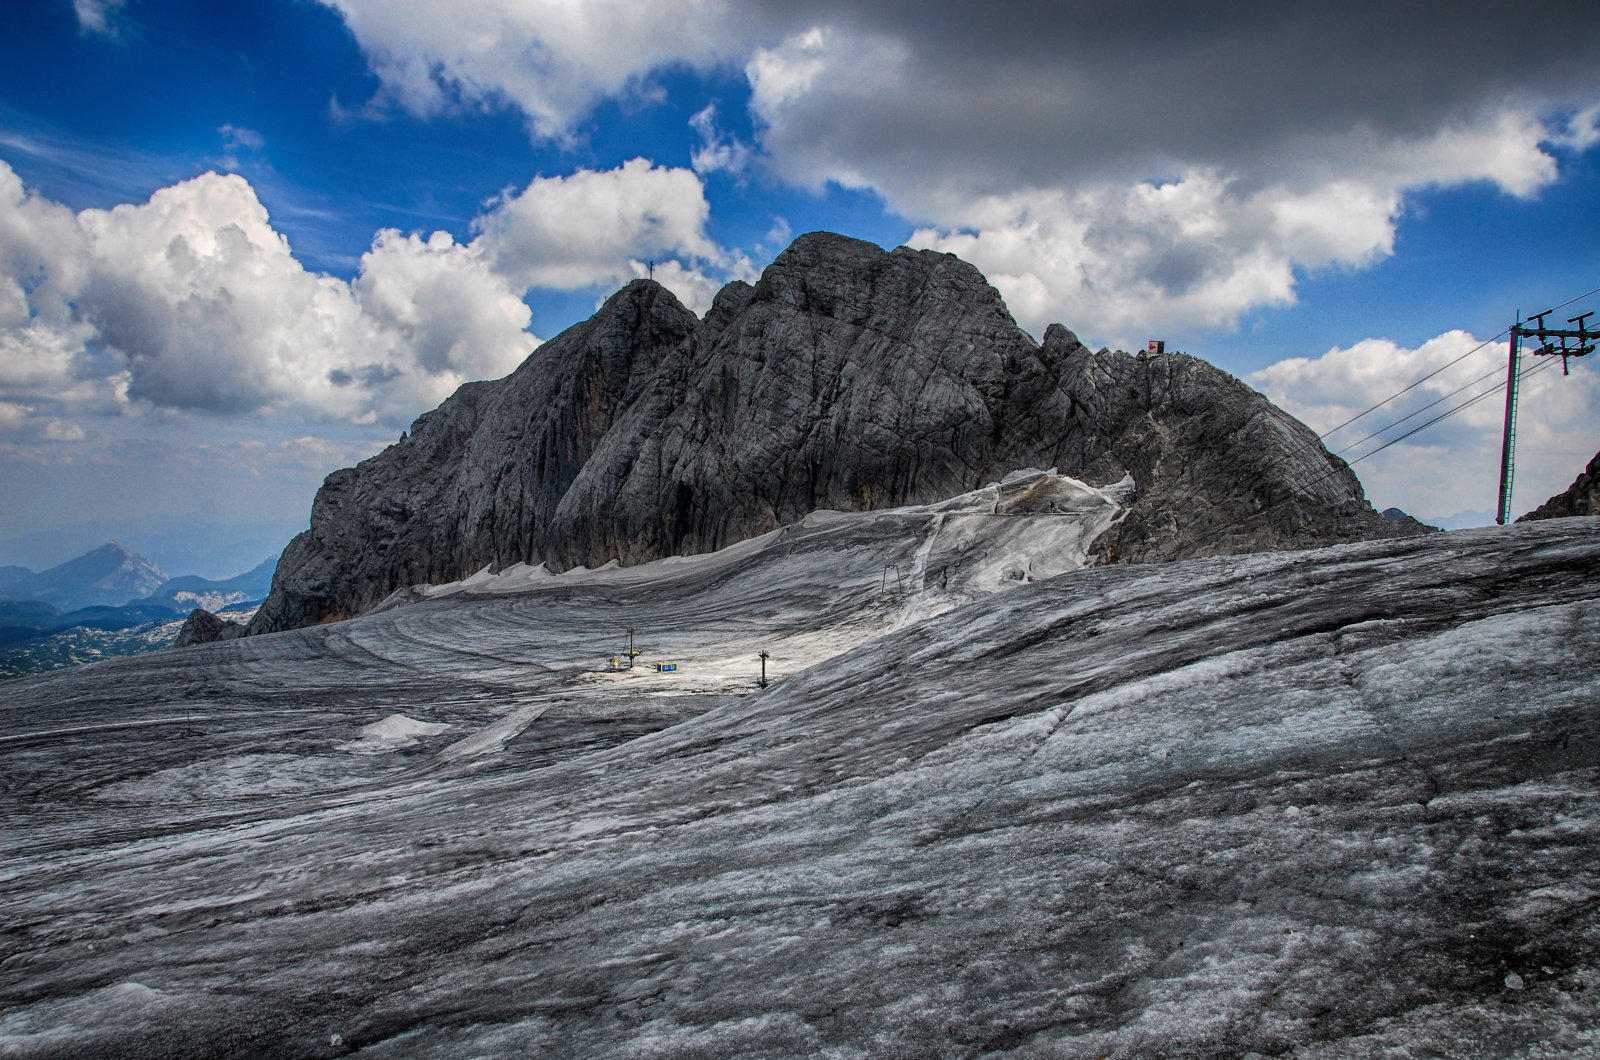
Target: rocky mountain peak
x=846, y=377
x=109, y=575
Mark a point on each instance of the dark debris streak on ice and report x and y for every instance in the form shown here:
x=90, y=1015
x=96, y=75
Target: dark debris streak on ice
x=1317, y=804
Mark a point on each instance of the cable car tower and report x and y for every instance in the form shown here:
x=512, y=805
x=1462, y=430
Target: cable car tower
x=1565, y=343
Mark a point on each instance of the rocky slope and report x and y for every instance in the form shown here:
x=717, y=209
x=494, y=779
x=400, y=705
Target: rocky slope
x=477, y=480
x=1580, y=498
x=846, y=378
x=204, y=627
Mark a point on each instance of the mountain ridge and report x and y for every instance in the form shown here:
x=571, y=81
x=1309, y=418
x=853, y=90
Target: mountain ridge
x=108, y=576
x=847, y=377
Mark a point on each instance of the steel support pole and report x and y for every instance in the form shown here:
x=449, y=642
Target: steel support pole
x=1508, y=441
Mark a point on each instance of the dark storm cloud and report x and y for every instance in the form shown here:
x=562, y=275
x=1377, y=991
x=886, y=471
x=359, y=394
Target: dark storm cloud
x=1036, y=91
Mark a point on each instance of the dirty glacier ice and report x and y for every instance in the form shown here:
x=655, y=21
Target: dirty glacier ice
x=1321, y=803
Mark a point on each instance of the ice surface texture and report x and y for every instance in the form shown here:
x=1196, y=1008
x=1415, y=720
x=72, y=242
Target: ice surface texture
x=1330, y=801
x=846, y=378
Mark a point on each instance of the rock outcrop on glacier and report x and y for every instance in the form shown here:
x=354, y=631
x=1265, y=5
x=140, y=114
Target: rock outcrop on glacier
x=846, y=378
x=203, y=627
x=1329, y=803
x=1580, y=498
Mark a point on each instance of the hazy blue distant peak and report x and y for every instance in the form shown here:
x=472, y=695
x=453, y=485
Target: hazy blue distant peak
x=110, y=575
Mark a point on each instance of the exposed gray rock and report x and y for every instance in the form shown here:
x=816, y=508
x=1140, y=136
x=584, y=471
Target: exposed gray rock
x=1580, y=498
x=203, y=627
x=476, y=480
x=846, y=378
x=1219, y=469
x=1410, y=522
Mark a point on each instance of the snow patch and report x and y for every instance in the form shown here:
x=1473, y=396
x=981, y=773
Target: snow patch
x=493, y=738
x=391, y=734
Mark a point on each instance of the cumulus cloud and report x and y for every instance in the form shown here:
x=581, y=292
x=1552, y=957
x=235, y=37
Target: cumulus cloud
x=1090, y=241
x=444, y=302
x=583, y=230
x=1453, y=466
x=194, y=302
x=1060, y=145
x=552, y=59
x=1202, y=249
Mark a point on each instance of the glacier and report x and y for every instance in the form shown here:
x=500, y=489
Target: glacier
x=1337, y=802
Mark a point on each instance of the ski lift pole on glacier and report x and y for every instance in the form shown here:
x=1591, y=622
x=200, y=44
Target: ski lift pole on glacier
x=1565, y=343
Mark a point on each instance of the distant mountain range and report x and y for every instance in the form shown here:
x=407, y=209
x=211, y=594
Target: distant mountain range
x=113, y=576
x=108, y=576
x=191, y=591
x=22, y=620
x=111, y=589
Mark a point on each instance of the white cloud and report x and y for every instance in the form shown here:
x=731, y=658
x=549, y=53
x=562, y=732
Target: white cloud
x=1453, y=466
x=455, y=316
x=1119, y=261
x=1116, y=262
x=592, y=228
x=553, y=59
x=194, y=302
x=97, y=16
x=1122, y=169
x=1112, y=257
x=717, y=151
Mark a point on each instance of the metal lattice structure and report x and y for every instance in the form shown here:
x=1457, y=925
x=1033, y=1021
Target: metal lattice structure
x=1565, y=343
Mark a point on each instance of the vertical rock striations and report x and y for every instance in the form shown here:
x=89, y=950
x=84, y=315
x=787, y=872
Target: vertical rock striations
x=476, y=480
x=848, y=378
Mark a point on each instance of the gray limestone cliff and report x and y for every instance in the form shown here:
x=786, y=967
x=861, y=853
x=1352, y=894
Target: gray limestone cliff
x=475, y=481
x=1580, y=498
x=847, y=377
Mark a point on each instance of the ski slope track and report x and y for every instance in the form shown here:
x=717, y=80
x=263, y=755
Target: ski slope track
x=1338, y=802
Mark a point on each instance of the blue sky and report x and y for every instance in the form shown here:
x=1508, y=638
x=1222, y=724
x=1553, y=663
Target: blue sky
x=220, y=279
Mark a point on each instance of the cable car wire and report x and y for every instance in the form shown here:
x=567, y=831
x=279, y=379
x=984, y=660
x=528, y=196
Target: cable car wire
x=1346, y=465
